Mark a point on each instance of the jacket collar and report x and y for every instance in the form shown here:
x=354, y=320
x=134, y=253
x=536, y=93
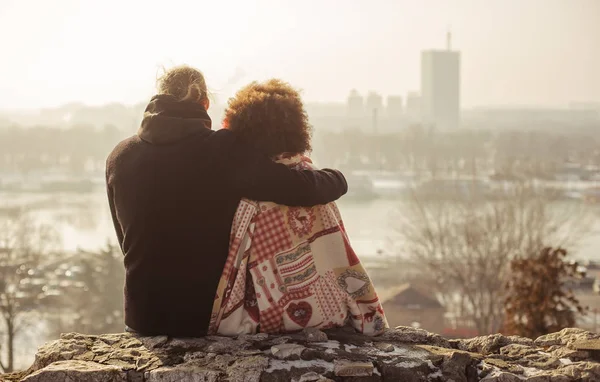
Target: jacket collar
x=167, y=120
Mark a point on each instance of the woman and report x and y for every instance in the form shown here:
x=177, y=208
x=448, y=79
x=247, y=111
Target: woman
x=288, y=267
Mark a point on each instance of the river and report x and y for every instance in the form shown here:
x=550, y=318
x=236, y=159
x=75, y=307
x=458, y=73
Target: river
x=83, y=221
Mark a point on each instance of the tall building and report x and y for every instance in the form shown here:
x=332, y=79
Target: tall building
x=413, y=107
x=394, y=106
x=355, y=104
x=440, y=87
x=374, y=108
x=374, y=102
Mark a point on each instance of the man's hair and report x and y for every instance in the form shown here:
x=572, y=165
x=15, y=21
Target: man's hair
x=270, y=116
x=184, y=83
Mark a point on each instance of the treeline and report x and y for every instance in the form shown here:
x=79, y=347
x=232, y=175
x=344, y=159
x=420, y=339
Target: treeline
x=26, y=150
x=416, y=148
x=463, y=151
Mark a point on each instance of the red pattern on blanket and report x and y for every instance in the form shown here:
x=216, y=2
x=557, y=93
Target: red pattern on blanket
x=293, y=267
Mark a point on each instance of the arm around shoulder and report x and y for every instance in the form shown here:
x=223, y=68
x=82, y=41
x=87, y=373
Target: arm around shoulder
x=257, y=177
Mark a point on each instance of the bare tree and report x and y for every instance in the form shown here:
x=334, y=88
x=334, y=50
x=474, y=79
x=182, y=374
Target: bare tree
x=24, y=246
x=462, y=249
x=91, y=299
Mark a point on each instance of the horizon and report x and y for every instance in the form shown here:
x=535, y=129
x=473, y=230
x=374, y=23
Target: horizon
x=341, y=103
x=541, y=53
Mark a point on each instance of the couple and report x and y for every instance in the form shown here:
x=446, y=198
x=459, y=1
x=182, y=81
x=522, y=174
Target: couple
x=232, y=231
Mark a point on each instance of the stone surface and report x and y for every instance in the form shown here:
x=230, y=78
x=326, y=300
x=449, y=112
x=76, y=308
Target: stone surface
x=491, y=344
x=565, y=337
x=312, y=377
x=78, y=371
x=315, y=335
x=401, y=354
x=287, y=351
x=384, y=347
x=587, y=345
x=344, y=368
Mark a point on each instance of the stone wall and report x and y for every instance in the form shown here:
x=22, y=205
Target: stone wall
x=401, y=354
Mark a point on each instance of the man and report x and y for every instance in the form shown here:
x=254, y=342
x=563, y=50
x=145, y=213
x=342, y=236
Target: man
x=173, y=190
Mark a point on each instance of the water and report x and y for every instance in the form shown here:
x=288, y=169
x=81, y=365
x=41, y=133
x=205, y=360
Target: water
x=84, y=221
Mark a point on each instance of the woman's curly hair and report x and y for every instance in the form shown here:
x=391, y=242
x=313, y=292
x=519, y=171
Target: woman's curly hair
x=270, y=116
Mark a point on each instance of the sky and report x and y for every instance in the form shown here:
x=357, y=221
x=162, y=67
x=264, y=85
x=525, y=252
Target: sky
x=513, y=52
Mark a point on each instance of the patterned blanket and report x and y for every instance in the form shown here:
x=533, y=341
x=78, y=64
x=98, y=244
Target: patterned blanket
x=292, y=267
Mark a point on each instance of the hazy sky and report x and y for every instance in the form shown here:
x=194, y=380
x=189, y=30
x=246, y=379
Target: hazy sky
x=533, y=52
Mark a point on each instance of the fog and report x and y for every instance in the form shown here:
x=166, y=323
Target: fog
x=536, y=52
x=468, y=131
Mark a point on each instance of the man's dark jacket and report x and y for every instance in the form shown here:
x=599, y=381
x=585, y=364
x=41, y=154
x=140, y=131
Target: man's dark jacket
x=173, y=190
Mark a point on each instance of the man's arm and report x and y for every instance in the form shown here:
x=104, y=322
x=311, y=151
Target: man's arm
x=257, y=177
x=113, y=213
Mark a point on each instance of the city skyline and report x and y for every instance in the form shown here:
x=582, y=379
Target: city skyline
x=539, y=52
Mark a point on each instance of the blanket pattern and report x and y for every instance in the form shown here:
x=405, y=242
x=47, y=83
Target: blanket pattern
x=289, y=268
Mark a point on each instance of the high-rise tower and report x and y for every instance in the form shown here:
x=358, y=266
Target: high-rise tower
x=440, y=87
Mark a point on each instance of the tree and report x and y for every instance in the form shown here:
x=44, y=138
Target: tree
x=92, y=299
x=537, y=300
x=462, y=249
x=23, y=247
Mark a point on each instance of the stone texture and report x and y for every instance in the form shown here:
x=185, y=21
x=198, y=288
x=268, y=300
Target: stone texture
x=312, y=377
x=384, y=347
x=315, y=335
x=287, y=351
x=344, y=368
x=401, y=354
x=78, y=371
x=411, y=335
x=565, y=337
x=491, y=344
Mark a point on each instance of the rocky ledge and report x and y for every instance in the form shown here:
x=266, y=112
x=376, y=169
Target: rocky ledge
x=401, y=354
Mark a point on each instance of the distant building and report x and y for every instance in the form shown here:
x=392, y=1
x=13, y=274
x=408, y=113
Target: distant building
x=413, y=107
x=394, y=107
x=374, y=109
x=368, y=114
x=374, y=102
x=409, y=306
x=440, y=88
x=355, y=104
